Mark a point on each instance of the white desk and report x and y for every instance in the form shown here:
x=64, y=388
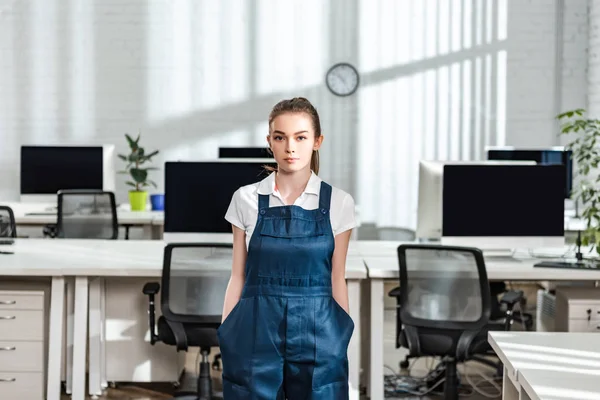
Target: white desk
x=85, y=259
x=382, y=263
x=548, y=366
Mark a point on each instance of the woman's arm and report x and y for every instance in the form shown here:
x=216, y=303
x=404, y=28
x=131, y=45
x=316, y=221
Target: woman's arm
x=237, y=279
x=338, y=269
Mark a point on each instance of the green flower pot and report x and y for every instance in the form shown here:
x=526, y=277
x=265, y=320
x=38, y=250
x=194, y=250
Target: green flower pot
x=137, y=200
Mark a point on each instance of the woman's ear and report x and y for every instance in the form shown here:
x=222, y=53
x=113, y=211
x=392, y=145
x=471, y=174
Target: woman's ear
x=318, y=142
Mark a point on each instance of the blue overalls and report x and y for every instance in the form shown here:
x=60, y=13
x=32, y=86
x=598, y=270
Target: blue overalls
x=287, y=338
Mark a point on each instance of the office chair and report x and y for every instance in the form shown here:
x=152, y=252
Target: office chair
x=8, y=226
x=194, y=279
x=445, y=305
x=503, y=309
x=502, y=316
x=87, y=214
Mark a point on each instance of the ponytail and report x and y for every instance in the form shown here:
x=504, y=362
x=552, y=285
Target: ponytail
x=314, y=162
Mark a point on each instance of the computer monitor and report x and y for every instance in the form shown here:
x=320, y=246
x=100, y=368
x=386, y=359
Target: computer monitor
x=197, y=195
x=503, y=206
x=47, y=169
x=553, y=155
x=244, y=152
x=429, y=209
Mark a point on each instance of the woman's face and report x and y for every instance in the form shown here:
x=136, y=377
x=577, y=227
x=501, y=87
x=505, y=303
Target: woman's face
x=292, y=141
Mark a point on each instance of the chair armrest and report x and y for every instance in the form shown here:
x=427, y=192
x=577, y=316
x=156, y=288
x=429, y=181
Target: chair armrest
x=512, y=297
x=395, y=292
x=151, y=288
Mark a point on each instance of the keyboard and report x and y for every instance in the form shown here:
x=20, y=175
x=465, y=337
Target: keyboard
x=584, y=265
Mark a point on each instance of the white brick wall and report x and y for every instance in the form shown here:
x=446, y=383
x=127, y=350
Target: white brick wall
x=594, y=60
x=195, y=75
x=533, y=98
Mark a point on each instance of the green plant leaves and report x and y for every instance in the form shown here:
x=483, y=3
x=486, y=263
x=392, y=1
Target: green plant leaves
x=586, y=155
x=135, y=160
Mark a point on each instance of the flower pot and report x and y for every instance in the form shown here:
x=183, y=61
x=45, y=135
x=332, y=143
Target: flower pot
x=137, y=200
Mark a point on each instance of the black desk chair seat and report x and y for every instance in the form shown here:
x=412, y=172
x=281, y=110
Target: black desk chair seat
x=195, y=335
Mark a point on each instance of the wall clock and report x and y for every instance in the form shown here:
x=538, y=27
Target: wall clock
x=342, y=79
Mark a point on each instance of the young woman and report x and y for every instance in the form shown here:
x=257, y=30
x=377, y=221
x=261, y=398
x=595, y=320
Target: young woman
x=286, y=328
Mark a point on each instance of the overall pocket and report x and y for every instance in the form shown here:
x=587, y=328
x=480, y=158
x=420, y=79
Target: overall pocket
x=332, y=340
x=288, y=247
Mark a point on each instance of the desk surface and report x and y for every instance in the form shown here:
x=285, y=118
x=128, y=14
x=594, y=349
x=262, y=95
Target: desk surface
x=381, y=260
x=552, y=366
x=73, y=257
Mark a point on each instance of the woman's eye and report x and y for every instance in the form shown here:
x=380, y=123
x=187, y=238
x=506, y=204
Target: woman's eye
x=278, y=137
x=301, y=137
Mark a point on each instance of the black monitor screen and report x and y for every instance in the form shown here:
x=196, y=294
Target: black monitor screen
x=48, y=169
x=197, y=194
x=503, y=200
x=541, y=157
x=244, y=152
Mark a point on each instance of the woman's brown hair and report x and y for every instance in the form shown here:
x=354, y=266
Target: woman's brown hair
x=299, y=105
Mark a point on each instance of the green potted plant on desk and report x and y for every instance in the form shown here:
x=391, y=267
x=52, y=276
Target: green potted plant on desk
x=586, y=156
x=139, y=175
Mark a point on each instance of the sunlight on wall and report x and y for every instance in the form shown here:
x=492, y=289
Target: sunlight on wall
x=198, y=61
x=291, y=44
x=82, y=71
x=443, y=98
x=43, y=89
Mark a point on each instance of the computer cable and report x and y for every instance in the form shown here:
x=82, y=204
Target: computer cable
x=476, y=385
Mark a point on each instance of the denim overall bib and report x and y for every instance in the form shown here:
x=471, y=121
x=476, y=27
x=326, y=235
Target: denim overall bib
x=287, y=338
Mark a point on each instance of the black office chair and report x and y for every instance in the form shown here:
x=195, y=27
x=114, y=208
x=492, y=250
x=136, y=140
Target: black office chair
x=503, y=308
x=87, y=214
x=502, y=316
x=194, y=280
x=445, y=305
x=8, y=226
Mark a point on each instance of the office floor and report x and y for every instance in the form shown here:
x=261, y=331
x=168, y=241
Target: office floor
x=475, y=374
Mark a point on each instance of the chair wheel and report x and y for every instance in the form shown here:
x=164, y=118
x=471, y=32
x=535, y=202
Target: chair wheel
x=216, y=365
x=404, y=364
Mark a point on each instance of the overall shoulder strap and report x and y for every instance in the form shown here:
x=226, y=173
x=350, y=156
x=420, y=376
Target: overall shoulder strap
x=263, y=202
x=325, y=196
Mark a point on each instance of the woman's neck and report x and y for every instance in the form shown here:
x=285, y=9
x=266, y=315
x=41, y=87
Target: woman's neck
x=291, y=185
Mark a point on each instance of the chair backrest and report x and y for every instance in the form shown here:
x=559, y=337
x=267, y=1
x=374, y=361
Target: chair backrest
x=194, y=279
x=8, y=226
x=87, y=214
x=443, y=287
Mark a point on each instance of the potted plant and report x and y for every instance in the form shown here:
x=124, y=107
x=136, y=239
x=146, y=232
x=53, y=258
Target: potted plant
x=586, y=156
x=135, y=160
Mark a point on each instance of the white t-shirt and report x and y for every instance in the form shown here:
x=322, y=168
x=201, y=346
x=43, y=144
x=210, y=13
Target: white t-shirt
x=243, y=209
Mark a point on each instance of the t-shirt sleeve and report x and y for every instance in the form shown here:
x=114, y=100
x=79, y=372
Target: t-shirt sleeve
x=346, y=217
x=234, y=214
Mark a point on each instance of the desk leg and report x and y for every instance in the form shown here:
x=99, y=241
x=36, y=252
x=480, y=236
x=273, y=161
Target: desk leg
x=95, y=333
x=80, y=337
x=509, y=390
x=55, y=351
x=103, y=382
x=70, y=282
x=377, y=338
x=354, y=346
